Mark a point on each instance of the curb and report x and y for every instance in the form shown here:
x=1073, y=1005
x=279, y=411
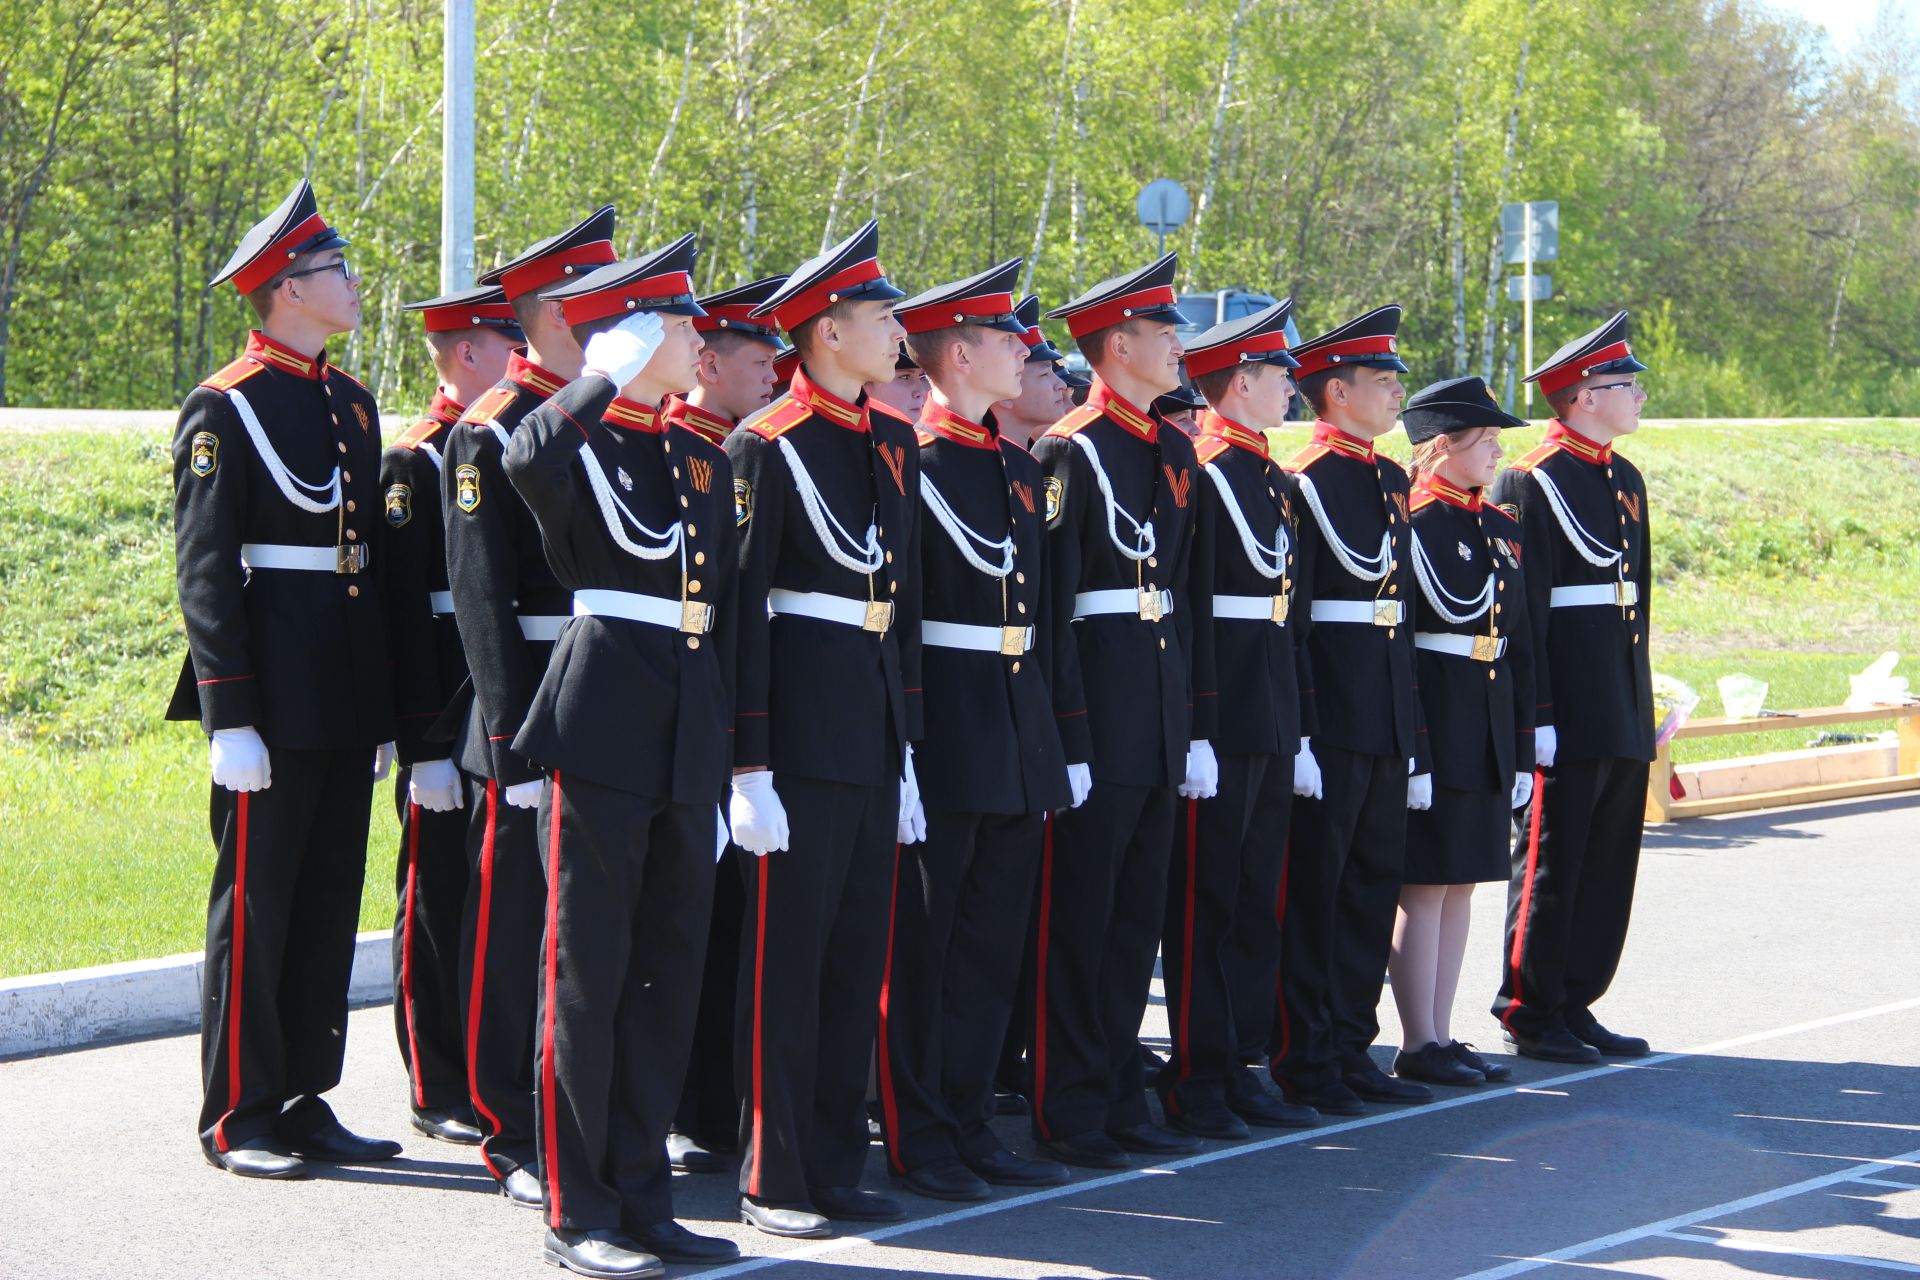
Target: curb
x=47, y=1012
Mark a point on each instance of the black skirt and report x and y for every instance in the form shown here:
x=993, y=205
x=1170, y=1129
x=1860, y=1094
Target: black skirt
x=1465, y=838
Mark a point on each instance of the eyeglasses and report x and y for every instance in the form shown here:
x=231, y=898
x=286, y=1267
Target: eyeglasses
x=1609, y=386
x=344, y=267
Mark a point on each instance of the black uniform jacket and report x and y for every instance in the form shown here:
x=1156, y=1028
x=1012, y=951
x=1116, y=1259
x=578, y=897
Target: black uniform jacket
x=428, y=664
x=1358, y=677
x=499, y=572
x=1479, y=715
x=816, y=698
x=1259, y=694
x=991, y=745
x=1591, y=672
x=1130, y=693
x=642, y=708
x=299, y=655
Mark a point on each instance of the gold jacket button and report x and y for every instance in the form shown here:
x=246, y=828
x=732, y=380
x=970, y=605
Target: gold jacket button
x=693, y=642
x=354, y=591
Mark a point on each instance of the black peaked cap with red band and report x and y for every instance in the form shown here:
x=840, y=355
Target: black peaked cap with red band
x=272, y=244
x=1456, y=404
x=1371, y=340
x=483, y=307
x=1260, y=338
x=1182, y=399
x=731, y=310
x=661, y=281
x=1038, y=348
x=985, y=299
x=583, y=247
x=1605, y=350
x=848, y=272
x=1146, y=294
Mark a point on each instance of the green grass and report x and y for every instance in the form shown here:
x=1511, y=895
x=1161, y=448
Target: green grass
x=1786, y=552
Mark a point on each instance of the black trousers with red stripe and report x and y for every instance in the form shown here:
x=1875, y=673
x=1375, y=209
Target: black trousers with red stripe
x=430, y=891
x=709, y=1103
x=1221, y=950
x=811, y=955
x=960, y=904
x=629, y=891
x=1103, y=891
x=1339, y=890
x=1572, y=893
x=499, y=969
x=281, y=918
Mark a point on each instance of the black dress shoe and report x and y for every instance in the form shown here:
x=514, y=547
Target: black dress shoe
x=1375, y=1085
x=1611, y=1044
x=1151, y=1060
x=449, y=1126
x=1009, y=1104
x=1003, y=1168
x=1149, y=1139
x=784, y=1220
x=256, y=1158
x=852, y=1204
x=522, y=1187
x=1330, y=1099
x=1214, y=1122
x=1464, y=1054
x=334, y=1143
x=605, y=1255
x=948, y=1180
x=688, y=1154
x=1090, y=1150
x=1556, y=1045
x=1269, y=1112
x=672, y=1242
x=1435, y=1064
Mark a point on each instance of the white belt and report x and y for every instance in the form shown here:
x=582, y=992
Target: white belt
x=691, y=616
x=1149, y=606
x=1479, y=648
x=868, y=615
x=1617, y=594
x=277, y=555
x=1252, y=608
x=1010, y=641
x=440, y=601
x=1378, y=613
x=542, y=626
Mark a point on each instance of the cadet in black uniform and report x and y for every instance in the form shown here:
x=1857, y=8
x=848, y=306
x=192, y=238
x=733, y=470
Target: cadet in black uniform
x=1181, y=408
x=276, y=471
x=905, y=393
x=990, y=760
x=1220, y=954
x=472, y=335
x=631, y=721
x=1583, y=512
x=1341, y=880
x=1043, y=396
x=1135, y=708
x=826, y=492
x=1474, y=660
x=509, y=609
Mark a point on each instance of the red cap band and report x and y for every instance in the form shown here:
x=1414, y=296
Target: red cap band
x=808, y=303
x=1335, y=354
x=275, y=257
x=1567, y=374
x=1230, y=354
x=450, y=319
x=1082, y=323
x=549, y=267
x=622, y=298
x=945, y=315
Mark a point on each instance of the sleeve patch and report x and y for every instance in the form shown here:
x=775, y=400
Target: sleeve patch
x=205, y=458
x=466, y=487
x=742, y=502
x=1056, y=490
x=399, y=505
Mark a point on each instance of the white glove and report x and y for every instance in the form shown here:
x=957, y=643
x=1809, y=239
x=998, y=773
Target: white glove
x=759, y=819
x=619, y=354
x=720, y=836
x=382, y=761
x=1306, y=773
x=435, y=786
x=525, y=795
x=912, y=827
x=1079, y=782
x=1522, y=790
x=1203, y=771
x=1420, y=791
x=1545, y=743
x=240, y=760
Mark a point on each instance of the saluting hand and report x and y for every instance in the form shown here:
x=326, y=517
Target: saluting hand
x=619, y=354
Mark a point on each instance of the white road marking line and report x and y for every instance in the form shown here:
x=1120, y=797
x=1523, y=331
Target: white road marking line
x=1600, y=1244
x=1759, y=1246
x=1852, y=1124
x=1157, y=1217
x=840, y=1244
x=1890, y=1182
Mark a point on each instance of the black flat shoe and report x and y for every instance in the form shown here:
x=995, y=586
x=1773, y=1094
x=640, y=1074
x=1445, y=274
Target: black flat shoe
x=779, y=1220
x=604, y=1255
x=1612, y=1044
x=948, y=1180
x=1557, y=1045
x=852, y=1204
x=1005, y=1169
x=522, y=1189
x=1434, y=1063
x=687, y=1154
x=1464, y=1054
x=456, y=1127
x=256, y=1158
x=1268, y=1112
x=1009, y=1104
x=334, y=1143
x=1149, y=1139
x=1375, y=1085
x=672, y=1242
x=1330, y=1099
x=1215, y=1123
x=1091, y=1150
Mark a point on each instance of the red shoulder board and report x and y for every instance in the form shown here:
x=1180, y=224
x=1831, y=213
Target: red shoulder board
x=1209, y=449
x=1074, y=421
x=924, y=436
x=1423, y=498
x=491, y=401
x=233, y=375
x=1535, y=456
x=1305, y=458
x=417, y=434
x=779, y=419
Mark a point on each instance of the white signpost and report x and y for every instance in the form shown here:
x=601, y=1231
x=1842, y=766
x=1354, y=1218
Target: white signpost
x=1531, y=232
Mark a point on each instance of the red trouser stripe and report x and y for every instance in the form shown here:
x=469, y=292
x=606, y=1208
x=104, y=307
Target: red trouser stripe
x=239, y=909
x=888, y=1102
x=759, y=1025
x=1279, y=972
x=1040, y=981
x=550, y=1092
x=410, y=909
x=1186, y=964
x=1526, y=896
x=474, y=996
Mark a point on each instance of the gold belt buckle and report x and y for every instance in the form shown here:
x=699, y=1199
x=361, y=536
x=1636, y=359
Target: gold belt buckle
x=1626, y=593
x=696, y=617
x=1486, y=648
x=1013, y=641
x=879, y=616
x=1151, y=609
x=1279, y=615
x=349, y=558
x=1386, y=613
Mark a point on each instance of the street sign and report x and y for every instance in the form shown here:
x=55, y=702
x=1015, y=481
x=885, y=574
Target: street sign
x=1163, y=207
x=1545, y=220
x=1517, y=288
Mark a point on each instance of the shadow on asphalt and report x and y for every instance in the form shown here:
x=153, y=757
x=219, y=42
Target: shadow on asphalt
x=1736, y=831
